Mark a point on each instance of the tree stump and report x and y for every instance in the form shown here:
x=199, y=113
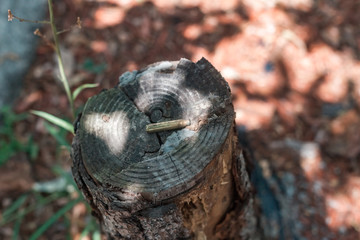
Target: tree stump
x=188, y=183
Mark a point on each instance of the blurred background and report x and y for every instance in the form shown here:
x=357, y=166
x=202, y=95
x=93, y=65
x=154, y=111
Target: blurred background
x=293, y=68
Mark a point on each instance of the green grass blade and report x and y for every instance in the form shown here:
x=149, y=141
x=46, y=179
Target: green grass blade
x=58, y=135
x=63, y=77
x=16, y=205
x=40, y=203
x=67, y=224
x=85, y=231
x=17, y=226
x=55, y=120
x=68, y=176
x=6, y=151
x=32, y=148
x=78, y=90
x=53, y=219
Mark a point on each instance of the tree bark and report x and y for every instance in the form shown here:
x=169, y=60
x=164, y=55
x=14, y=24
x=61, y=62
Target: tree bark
x=188, y=183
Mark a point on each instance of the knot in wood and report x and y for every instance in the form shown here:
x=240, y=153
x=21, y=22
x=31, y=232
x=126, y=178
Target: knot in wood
x=156, y=115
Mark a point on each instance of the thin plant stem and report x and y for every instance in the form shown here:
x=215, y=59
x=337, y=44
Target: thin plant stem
x=63, y=77
x=43, y=37
x=11, y=16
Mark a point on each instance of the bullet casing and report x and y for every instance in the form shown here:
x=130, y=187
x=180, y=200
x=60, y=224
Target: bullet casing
x=166, y=126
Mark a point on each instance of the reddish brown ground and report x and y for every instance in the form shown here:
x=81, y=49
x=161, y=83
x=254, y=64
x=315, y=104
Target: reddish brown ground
x=294, y=70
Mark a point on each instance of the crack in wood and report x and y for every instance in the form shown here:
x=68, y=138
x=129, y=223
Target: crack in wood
x=177, y=171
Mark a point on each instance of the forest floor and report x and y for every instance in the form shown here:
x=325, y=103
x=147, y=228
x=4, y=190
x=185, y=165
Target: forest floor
x=294, y=71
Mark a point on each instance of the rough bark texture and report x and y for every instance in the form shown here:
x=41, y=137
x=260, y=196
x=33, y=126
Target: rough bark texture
x=183, y=184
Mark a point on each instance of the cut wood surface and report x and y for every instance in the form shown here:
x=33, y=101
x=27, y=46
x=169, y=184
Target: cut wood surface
x=177, y=184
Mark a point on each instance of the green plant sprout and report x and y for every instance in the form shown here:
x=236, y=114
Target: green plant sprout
x=8, y=141
x=70, y=95
x=64, y=185
x=63, y=77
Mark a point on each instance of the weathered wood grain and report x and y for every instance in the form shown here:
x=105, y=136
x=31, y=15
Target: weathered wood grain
x=176, y=184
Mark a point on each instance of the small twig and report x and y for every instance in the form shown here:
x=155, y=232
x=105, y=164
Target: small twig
x=11, y=17
x=43, y=37
x=77, y=25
